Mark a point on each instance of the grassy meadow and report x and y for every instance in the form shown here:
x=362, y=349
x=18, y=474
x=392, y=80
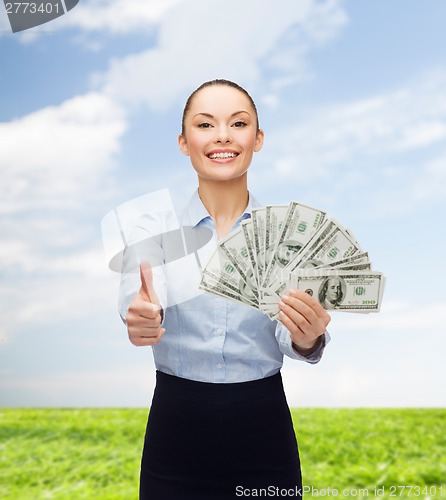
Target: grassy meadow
x=347, y=453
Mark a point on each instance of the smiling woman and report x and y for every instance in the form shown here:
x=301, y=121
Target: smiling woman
x=219, y=417
x=220, y=133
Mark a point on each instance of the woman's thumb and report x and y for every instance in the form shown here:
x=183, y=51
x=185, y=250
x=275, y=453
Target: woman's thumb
x=145, y=270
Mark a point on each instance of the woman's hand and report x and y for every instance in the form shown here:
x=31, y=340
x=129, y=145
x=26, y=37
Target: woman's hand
x=144, y=315
x=305, y=319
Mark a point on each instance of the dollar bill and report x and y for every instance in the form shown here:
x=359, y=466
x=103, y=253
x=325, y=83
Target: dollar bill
x=358, y=262
x=220, y=270
x=293, y=246
x=348, y=291
x=300, y=224
x=248, y=232
x=236, y=249
x=356, y=259
x=352, y=236
x=275, y=217
x=217, y=286
x=330, y=244
x=258, y=222
x=366, y=266
x=342, y=290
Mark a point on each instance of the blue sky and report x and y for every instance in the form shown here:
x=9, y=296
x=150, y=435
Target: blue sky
x=352, y=98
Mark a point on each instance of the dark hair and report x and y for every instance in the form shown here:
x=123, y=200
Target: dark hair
x=211, y=83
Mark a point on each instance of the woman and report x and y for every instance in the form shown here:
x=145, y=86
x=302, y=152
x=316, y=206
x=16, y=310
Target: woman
x=219, y=424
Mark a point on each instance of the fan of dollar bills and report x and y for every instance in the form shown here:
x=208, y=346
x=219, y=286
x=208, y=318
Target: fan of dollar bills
x=293, y=246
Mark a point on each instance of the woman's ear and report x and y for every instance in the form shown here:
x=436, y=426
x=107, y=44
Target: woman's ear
x=183, y=145
x=259, y=140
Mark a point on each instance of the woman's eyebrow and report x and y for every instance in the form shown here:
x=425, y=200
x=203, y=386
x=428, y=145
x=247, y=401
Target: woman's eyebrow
x=239, y=112
x=212, y=116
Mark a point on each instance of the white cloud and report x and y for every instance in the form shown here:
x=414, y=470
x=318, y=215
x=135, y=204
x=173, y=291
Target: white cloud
x=404, y=384
x=422, y=134
x=212, y=42
x=117, y=16
x=68, y=285
x=53, y=161
x=399, y=121
x=5, y=27
x=3, y=336
x=21, y=256
x=393, y=358
x=51, y=156
x=388, y=151
x=396, y=317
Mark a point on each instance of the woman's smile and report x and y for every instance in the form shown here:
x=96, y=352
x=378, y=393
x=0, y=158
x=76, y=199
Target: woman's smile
x=222, y=155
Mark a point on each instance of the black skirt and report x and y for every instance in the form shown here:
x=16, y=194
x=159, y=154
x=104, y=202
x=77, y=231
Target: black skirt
x=209, y=441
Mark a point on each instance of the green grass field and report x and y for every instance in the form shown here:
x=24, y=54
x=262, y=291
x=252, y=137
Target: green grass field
x=348, y=453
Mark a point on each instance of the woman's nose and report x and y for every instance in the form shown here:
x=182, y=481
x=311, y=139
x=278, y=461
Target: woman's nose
x=223, y=135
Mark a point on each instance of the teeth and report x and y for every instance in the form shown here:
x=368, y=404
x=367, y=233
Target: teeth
x=222, y=155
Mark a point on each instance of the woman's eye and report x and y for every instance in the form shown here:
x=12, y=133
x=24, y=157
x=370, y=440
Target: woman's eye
x=240, y=124
x=204, y=125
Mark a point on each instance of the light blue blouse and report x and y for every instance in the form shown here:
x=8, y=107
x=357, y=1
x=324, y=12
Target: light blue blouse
x=207, y=338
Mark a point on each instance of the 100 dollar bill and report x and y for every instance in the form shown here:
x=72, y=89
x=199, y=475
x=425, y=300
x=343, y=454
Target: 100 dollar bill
x=351, y=291
x=296, y=229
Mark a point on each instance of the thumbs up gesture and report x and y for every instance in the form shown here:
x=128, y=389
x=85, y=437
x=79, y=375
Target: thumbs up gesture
x=144, y=315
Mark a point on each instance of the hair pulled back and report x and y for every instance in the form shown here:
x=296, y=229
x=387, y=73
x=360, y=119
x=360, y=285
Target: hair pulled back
x=212, y=83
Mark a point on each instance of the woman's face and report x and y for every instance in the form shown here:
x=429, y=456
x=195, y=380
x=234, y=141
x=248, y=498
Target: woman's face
x=220, y=133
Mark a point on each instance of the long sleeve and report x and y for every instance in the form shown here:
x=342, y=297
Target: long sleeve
x=286, y=346
x=207, y=338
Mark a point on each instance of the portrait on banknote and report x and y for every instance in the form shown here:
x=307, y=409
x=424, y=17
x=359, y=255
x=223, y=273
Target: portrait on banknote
x=286, y=251
x=332, y=292
x=248, y=288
